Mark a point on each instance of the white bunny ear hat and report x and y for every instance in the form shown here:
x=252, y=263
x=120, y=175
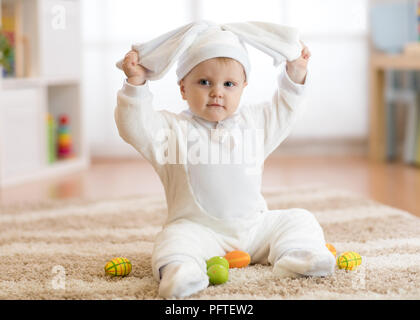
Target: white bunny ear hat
x=213, y=43
x=203, y=40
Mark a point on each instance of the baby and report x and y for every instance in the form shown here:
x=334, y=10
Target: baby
x=214, y=207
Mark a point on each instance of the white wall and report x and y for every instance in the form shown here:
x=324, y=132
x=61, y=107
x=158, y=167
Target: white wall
x=334, y=30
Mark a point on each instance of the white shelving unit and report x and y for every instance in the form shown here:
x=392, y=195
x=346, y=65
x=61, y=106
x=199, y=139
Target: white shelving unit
x=52, y=84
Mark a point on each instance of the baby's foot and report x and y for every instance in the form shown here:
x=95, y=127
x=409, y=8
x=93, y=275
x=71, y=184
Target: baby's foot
x=296, y=263
x=181, y=279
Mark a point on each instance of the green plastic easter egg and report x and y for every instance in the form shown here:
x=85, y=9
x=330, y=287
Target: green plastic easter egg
x=217, y=260
x=218, y=274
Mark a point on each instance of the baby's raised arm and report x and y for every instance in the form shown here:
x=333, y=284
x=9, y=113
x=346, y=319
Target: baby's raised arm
x=137, y=121
x=278, y=116
x=297, y=69
x=136, y=74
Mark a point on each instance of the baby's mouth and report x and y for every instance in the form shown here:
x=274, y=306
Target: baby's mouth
x=214, y=105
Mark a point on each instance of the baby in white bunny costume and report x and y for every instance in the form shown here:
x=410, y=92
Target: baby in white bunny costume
x=213, y=207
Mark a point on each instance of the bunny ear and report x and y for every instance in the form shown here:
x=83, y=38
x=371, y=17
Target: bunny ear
x=279, y=42
x=159, y=54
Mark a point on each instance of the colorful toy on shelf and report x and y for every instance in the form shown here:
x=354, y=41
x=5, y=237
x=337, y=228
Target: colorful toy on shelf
x=51, y=138
x=64, y=143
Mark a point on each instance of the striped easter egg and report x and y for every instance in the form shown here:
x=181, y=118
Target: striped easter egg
x=118, y=267
x=238, y=259
x=349, y=260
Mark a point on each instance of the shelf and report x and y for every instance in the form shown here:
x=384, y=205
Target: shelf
x=19, y=83
x=395, y=61
x=66, y=166
x=379, y=63
x=58, y=168
x=44, y=85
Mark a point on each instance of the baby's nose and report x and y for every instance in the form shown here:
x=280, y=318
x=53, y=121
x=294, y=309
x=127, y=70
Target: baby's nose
x=216, y=92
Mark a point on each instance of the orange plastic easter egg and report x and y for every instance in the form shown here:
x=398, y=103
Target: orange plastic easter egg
x=332, y=249
x=238, y=259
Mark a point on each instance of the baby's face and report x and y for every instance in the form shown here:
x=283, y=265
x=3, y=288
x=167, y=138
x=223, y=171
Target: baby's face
x=213, y=88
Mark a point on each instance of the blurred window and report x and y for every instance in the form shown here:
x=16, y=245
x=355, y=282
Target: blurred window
x=222, y=11
x=328, y=16
x=125, y=20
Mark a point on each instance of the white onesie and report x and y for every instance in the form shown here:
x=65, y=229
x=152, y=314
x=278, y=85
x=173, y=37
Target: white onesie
x=214, y=201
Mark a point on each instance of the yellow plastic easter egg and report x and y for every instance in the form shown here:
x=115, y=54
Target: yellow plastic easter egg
x=118, y=267
x=349, y=260
x=332, y=249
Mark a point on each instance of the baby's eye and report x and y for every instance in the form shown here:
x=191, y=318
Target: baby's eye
x=204, y=82
x=229, y=84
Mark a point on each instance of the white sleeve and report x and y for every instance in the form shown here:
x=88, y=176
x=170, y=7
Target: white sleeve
x=278, y=116
x=137, y=121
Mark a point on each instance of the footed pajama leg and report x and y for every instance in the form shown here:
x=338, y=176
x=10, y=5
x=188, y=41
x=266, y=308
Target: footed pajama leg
x=181, y=279
x=297, y=245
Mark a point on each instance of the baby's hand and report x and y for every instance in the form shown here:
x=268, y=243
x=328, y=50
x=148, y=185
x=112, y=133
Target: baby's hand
x=136, y=74
x=297, y=69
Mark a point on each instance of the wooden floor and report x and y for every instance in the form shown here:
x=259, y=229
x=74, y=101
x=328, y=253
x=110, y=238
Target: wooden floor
x=394, y=184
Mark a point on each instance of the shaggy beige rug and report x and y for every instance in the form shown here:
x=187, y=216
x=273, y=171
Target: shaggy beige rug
x=58, y=250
